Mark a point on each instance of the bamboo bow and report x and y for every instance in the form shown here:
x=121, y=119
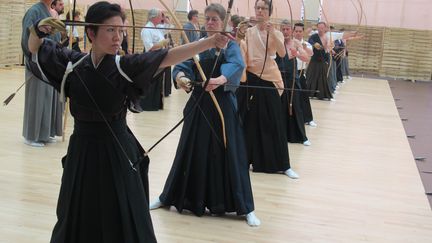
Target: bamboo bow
x=203, y=76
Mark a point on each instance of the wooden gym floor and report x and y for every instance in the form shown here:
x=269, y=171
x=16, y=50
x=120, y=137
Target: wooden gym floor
x=358, y=181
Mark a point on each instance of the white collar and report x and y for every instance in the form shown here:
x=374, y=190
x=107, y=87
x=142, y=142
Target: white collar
x=95, y=65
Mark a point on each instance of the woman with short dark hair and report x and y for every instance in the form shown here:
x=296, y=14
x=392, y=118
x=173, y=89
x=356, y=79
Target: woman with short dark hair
x=104, y=190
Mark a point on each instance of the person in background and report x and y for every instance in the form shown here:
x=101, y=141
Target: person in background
x=233, y=24
x=58, y=6
x=42, y=108
x=76, y=39
x=153, y=39
x=301, y=70
x=167, y=79
x=317, y=72
x=126, y=49
x=193, y=24
x=291, y=102
x=339, y=48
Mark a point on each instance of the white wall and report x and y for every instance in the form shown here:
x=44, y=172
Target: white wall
x=413, y=14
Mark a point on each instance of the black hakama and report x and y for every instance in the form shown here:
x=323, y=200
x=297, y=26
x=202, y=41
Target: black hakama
x=102, y=197
x=205, y=174
x=294, y=121
x=332, y=75
x=345, y=66
x=265, y=127
x=318, y=71
x=316, y=79
x=304, y=97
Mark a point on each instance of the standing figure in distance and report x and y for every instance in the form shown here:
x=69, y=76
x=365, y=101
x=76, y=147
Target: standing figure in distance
x=153, y=39
x=193, y=24
x=301, y=71
x=291, y=99
x=42, y=108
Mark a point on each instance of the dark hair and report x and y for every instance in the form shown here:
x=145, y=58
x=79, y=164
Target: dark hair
x=267, y=2
x=75, y=14
x=54, y=2
x=285, y=22
x=235, y=19
x=321, y=22
x=299, y=25
x=217, y=8
x=101, y=11
x=192, y=13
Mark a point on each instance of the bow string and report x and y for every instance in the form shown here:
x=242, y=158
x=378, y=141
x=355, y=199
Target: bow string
x=267, y=40
x=290, y=108
x=133, y=24
x=201, y=72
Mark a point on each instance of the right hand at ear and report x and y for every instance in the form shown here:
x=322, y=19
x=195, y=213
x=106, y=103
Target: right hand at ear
x=47, y=26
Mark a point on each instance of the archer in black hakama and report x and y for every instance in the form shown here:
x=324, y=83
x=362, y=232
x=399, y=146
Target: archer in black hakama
x=339, y=49
x=204, y=173
x=102, y=197
x=296, y=132
x=264, y=126
x=345, y=65
x=316, y=73
x=332, y=79
x=304, y=96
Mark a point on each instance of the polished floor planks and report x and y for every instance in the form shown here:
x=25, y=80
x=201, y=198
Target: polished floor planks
x=358, y=181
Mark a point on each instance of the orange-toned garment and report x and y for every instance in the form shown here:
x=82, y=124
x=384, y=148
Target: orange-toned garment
x=253, y=49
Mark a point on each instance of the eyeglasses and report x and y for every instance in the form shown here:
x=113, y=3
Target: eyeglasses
x=213, y=19
x=261, y=8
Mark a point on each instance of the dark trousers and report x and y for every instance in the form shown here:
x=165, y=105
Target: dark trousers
x=339, y=76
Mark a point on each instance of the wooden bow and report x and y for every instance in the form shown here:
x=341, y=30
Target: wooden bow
x=290, y=108
x=203, y=76
x=133, y=24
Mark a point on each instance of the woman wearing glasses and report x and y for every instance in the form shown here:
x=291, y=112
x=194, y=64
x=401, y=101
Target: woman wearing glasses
x=261, y=109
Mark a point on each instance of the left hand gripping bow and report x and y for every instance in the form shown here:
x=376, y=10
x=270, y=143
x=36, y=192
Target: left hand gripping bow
x=203, y=76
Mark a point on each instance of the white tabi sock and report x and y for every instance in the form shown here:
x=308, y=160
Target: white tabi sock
x=252, y=219
x=155, y=204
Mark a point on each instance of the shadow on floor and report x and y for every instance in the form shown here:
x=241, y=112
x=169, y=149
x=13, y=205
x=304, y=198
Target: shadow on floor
x=414, y=103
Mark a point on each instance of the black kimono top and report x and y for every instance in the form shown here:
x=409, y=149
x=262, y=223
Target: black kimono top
x=287, y=67
x=110, y=87
x=318, y=55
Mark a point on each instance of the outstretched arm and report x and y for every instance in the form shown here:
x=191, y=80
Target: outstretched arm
x=183, y=52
